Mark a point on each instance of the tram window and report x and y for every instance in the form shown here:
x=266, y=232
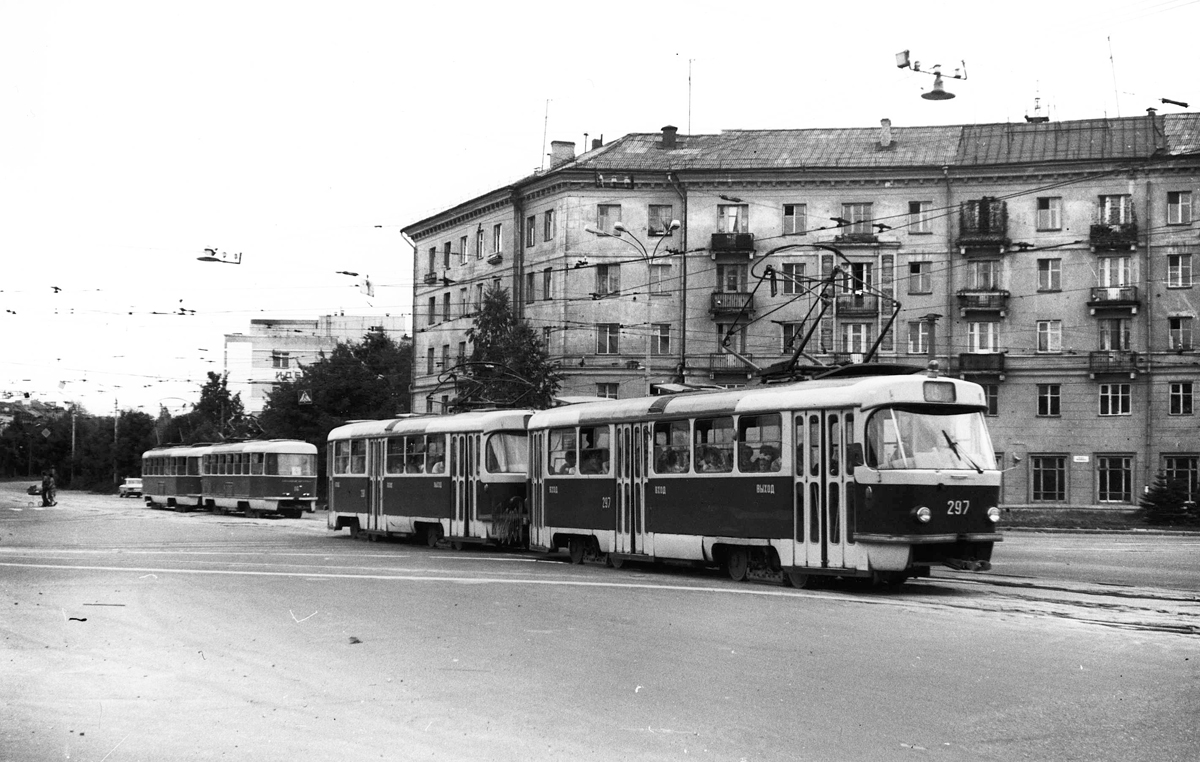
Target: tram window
x=291, y=464
x=562, y=451
x=506, y=453
x=358, y=456
x=394, y=461
x=835, y=450
x=714, y=438
x=414, y=455
x=760, y=443
x=341, y=456
x=435, y=446
x=256, y=463
x=594, y=449
x=672, y=451
x=835, y=527
x=193, y=466
x=814, y=445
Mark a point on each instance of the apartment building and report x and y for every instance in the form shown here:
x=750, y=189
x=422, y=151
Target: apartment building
x=1051, y=262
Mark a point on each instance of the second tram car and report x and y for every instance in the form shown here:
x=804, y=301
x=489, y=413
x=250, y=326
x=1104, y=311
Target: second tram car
x=460, y=477
x=171, y=477
x=256, y=477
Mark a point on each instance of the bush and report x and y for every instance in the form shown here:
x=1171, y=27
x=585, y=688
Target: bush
x=1168, y=503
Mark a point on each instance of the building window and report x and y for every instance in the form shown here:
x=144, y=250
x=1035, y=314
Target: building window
x=1049, y=275
x=530, y=231
x=1049, y=473
x=1116, y=210
x=733, y=218
x=445, y=357
x=1115, y=334
x=478, y=297
x=1115, y=476
x=857, y=219
x=446, y=306
x=660, y=278
x=1115, y=399
x=479, y=243
x=983, y=337
x=608, y=338
x=432, y=259
x=1114, y=272
x=991, y=393
x=446, y=252
x=462, y=250
x=1049, y=213
x=791, y=332
x=795, y=219
x=607, y=215
x=607, y=390
x=918, y=337
x=856, y=337
x=462, y=352
x=1048, y=400
x=429, y=361
x=530, y=285
x=280, y=359
x=1184, y=468
x=464, y=304
x=1049, y=335
x=920, y=277
x=546, y=337
x=497, y=238
x=547, y=279
x=1179, y=270
x=793, y=276
x=1179, y=333
x=919, y=217
x=983, y=274
x=548, y=230
x=660, y=339
x=858, y=278
x=1179, y=207
x=432, y=310
x=731, y=279
x=660, y=216
x=608, y=280
x=1181, y=398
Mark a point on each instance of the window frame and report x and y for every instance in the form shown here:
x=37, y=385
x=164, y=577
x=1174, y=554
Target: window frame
x=920, y=222
x=1041, y=465
x=1049, y=337
x=1179, y=212
x=1049, y=217
x=1049, y=275
x=1115, y=400
x=1179, y=271
x=795, y=219
x=1049, y=400
x=1181, y=398
x=608, y=338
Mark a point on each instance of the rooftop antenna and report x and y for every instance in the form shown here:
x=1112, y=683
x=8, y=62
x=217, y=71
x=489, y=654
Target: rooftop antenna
x=545, y=130
x=1037, y=117
x=690, y=95
x=1113, y=65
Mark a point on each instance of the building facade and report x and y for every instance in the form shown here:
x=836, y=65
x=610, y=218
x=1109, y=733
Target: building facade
x=275, y=350
x=1050, y=262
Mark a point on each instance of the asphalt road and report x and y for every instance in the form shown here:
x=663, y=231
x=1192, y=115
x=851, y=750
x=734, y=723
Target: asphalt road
x=132, y=634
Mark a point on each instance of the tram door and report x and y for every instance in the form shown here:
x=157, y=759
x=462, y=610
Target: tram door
x=820, y=489
x=631, y=534
x=464, y=476
x=539, y=535
x=376, y=458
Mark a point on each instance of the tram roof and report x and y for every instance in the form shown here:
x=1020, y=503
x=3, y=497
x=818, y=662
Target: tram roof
x=866, y=392
x=479, y=420
x=288, y=446
x=178, y=451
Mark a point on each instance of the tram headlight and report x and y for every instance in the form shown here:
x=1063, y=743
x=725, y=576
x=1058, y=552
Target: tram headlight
x=993, y=514
x=922, y=515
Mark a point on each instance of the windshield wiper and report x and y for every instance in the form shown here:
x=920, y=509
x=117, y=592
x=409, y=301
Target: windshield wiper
x=960, y=455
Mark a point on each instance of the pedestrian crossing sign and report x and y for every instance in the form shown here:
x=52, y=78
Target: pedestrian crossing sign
x=305, y=397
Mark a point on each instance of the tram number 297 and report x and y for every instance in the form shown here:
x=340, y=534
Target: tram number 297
x=957, y=507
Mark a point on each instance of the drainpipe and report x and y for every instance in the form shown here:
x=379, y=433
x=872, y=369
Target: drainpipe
x=681, y=191
x=1147, y=322
x=951, y=268
x=519, y=295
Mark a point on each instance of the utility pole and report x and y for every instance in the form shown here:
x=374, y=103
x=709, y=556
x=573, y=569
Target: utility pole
x=116, y=418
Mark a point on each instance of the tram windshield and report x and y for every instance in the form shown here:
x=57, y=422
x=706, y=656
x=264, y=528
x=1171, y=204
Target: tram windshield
x=506, y=453
x=900, y=438
x=291, y=464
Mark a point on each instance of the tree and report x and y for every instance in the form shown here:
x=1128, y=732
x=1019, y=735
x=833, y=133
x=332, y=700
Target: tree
x=1168, y=502
x=218, y=416
x=509, y=366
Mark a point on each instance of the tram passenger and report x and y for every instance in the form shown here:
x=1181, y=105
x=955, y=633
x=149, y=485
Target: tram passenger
x=768, y=459
x=746, y=459
x=710, y=461
x=568, y=466
x=593, y=462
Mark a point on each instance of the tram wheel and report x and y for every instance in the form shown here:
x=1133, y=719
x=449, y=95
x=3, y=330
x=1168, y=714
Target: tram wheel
x=457, y=545
x=801, y=581
x=738, y=564
x=615, y=562
x=576, y=547
x=432, y=535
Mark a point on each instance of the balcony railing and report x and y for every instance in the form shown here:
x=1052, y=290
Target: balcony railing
x=731, y=302
x=983, y=222
x=972, y=362
x=1114, y=296
x=726, y=361
x=1114, y=232
x=857, y=304
x=982, y=300
x=856, y=237
x=431, y=278
x=1112, y=361
x=732, y=243
x=495, y=258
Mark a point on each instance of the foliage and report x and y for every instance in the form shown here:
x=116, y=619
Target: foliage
x=1167, y=502
x=217, y=417
x=509, y=366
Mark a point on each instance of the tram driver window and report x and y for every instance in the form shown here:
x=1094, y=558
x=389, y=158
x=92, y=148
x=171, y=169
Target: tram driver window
x=506, y=453
x=759, y=442
x=593, y=450
x=672, y=449
x=714, y=445
x=561, y=451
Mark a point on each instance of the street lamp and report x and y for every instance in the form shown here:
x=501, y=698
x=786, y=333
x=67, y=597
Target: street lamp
x=649, y=257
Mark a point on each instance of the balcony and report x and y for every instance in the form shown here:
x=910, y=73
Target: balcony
x=978, y=363
x=983, y=224
x=1107, y=361
x=724, y=362
x=732, y=243
x=982, y=300
x=495, y=258
x=731, y=303
x=853, y=238
x=1114, y=232
x=1114, y=297
x=431, y=278
x=857, y=304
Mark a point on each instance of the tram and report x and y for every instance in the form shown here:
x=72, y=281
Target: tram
x=872, y=476
x=460, y=477
x=254, y=477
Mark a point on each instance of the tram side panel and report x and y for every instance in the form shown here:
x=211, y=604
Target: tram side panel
x=581, y=505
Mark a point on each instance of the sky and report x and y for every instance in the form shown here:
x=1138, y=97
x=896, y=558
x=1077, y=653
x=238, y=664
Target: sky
x=305, y=135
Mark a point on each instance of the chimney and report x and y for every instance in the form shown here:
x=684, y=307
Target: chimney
x=561, y=151
x=668, y=136
x=885, y=133
x=597, y=143
x=1157, y=129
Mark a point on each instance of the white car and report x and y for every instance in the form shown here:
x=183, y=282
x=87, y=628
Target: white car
x=131, y=488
